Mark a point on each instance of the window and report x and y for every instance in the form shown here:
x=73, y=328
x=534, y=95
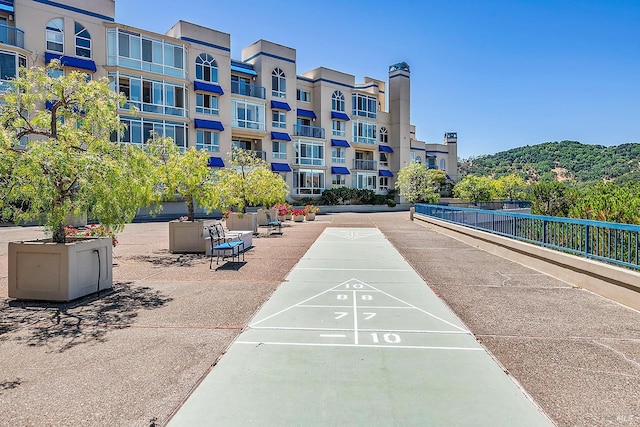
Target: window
x=338, y=180
x=278, y=84
x=138, y=130
x=247, y=114
x=307, y=181
x=207, y=140
x=364, y=106
x=364, y=132
x=384, y=135
x=337, y=101
x=442, y=164
x=9, y=63
x=279, y=149
x=140, y=52
x=206, y=104
x=383, y=183
x=338, y=127
x=151, y=96
x=363, y=180
x=278, y=119
x=308, y=153
x=303, y=95
x=384, y=159
x=55, y=35
x=206, y=68
x=415, y=157
x=338, y=155
x=83, y=41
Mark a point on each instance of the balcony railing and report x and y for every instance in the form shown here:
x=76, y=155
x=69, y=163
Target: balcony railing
x=11, y=36
x=308, y=131
x=365, y=165
x=603, y=241
x=247, y=89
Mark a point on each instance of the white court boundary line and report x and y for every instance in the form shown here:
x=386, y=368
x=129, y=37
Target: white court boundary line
x=413, y=347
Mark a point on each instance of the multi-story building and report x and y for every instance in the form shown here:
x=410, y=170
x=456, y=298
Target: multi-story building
x=318, y=129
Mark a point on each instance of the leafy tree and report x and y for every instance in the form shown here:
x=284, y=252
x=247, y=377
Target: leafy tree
x=552, y=198
x=69, y=164
x=510, y=187
x=418, y=184
x=247, y=181
x=475, y=189
x=608, y=202
x=184, y=174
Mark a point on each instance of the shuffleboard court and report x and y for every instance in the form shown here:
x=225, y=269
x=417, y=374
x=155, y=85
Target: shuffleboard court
x=355, y=337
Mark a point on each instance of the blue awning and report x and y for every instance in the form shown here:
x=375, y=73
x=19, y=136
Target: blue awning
x=280, y=136
x=339, y=143
x=339, y=170
x=215, y=162
x=447, y=176
x=71, y=61
x=279, y=105
x=339, y=115
x=385, y=148
x=208, y=124
x=208, y=87
x=242, y=69
x=383, y=172
x=306, y=113
x=6, y=5
x=280, y=167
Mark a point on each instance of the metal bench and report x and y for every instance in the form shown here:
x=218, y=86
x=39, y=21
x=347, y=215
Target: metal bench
x=272, y=224
x=224, y=246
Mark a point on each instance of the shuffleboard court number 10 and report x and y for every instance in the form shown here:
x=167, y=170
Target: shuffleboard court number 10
x=389, y=338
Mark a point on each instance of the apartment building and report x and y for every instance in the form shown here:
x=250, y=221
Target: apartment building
x=318, y=129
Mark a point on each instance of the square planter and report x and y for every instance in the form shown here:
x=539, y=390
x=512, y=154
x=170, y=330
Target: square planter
x=262, y=217
x=47, y=271
x=298, y=218
x=311, y=216
x=248, y=221
x=188, y=236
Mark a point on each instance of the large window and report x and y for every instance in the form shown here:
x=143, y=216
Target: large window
x=279, y=149
x=278, y=119
x=364, y=132
x=338, y=127
x=303, y=95
x=338, y=180
x=308, y=181
x=383, y=183
x=364, y=180
x=364, y=106
x=247, y=114
x=308, y=153
x=338, y=155
x=384, y=135
x=278, y=84
x=138, y=130
x=206, y=68
x=206, y=104
x=55, y=35
x=207, y=140
x=337, y=101
x=140, y=52
x=151, y=96
x=83, y=41
x=9, y=63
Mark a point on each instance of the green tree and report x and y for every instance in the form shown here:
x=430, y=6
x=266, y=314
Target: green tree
x=608, y=202
x=510, y=187
x=247, y=181
x=69, y=164
x=186, y=175
x=418, y=184
x=475, y=189
x=551, y=198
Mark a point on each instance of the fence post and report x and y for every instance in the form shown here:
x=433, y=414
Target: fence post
x=586, y=240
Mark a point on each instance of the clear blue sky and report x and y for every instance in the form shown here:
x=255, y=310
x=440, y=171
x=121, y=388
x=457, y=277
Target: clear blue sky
x=501, y=73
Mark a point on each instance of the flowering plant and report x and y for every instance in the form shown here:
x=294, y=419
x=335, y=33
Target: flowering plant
x=288, y=207
x=297, y=212
x=282, y=209
x=91, y=230
x=312, y=209
x=183, y=218
x=226, y=214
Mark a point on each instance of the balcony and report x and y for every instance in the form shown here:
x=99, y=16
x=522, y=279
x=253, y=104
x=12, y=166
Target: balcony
x=365, y=165
x=11, y=36
x=308, y=131
x=247, y=89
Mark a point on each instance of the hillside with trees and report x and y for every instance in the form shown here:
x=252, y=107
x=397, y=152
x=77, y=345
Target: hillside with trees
x=560, y=161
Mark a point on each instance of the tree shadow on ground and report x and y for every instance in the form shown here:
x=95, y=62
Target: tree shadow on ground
x=87, y=320
x=167, y=259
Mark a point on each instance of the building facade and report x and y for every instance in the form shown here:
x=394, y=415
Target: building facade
x=319, y=129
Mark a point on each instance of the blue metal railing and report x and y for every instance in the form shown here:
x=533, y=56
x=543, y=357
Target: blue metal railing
x=247, y=89
x=309, y=131
x=604, y=241
x=11, y=36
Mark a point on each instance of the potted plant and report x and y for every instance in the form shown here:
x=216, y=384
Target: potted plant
x=289, y=212
x=247, y=181
x=184, y=175
x=57, y=159
x=282, y=211
x=298, y=214
x=311, y=210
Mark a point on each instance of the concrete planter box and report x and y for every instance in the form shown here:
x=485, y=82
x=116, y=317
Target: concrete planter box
x=298, y=218
x=262, y=217
x=311, y=216
x=47, y=271
x=248, y=221
x=188, y=236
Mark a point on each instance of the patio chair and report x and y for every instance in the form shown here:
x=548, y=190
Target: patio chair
x=272, y=224
x=224, y=246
